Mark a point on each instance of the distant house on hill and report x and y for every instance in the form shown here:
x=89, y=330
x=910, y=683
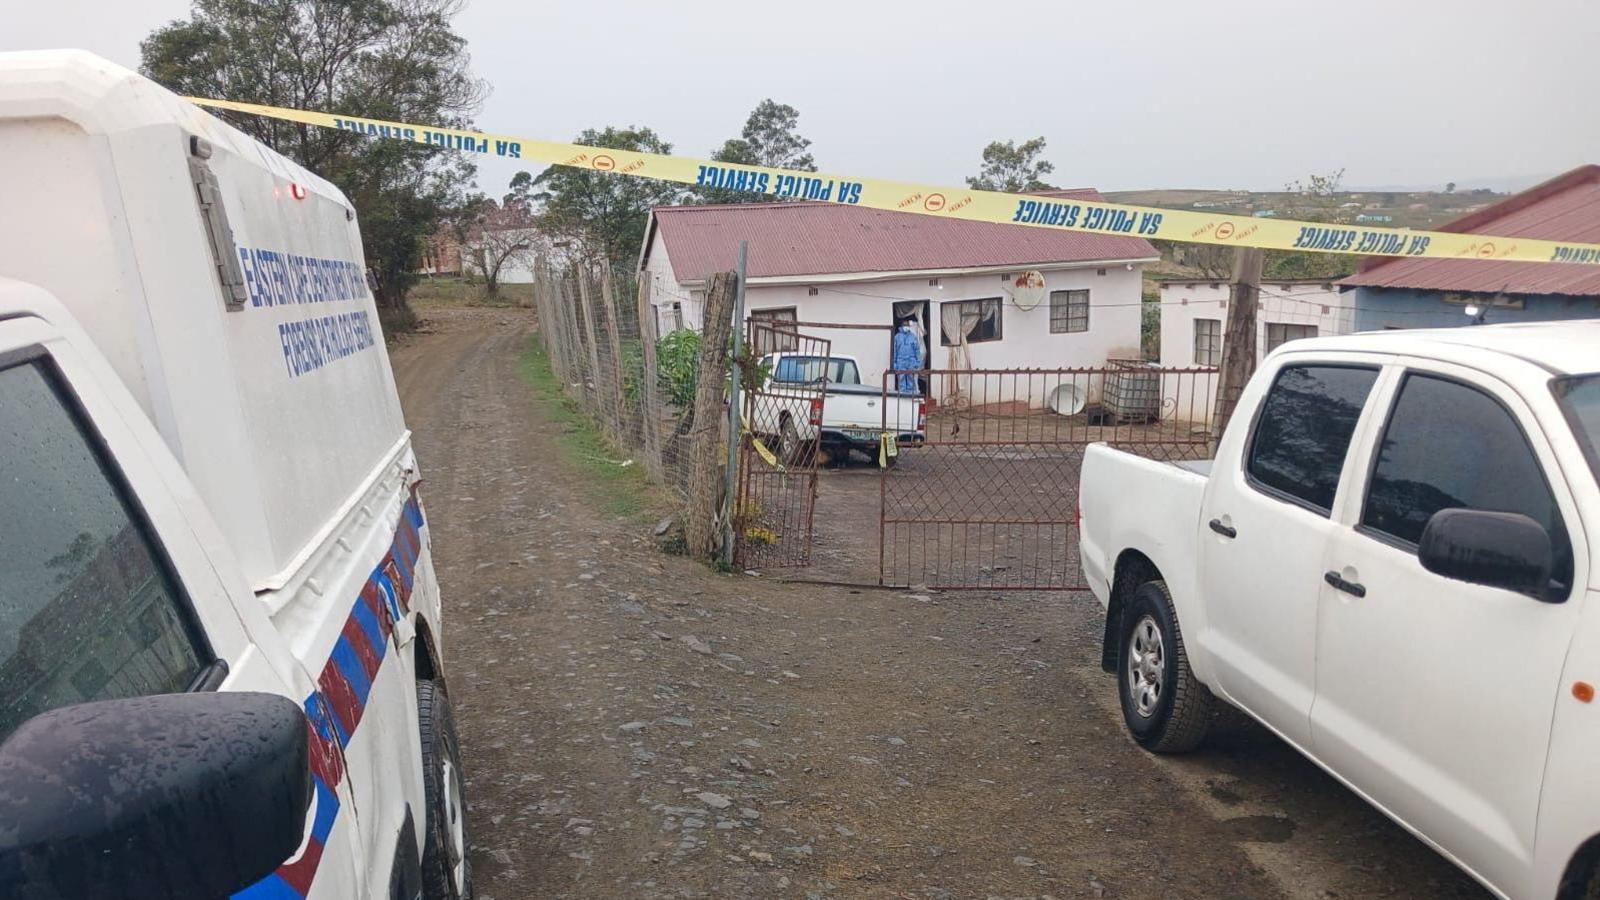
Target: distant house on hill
x=849, y=273
x=1398, y=292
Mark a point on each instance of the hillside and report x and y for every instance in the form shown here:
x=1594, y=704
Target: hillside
x=1411, y=209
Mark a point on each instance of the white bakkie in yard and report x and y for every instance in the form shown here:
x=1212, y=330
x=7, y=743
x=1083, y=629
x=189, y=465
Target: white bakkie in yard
x=843, y=415
x=1391, y=564
x=220, y=658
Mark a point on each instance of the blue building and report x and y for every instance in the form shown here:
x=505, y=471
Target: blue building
x=1396, y=292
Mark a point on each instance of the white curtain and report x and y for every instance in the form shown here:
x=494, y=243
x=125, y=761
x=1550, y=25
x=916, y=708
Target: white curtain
x=952, y=322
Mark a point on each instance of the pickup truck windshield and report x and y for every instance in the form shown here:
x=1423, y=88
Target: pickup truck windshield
x=1579, y=396
x=804, y=369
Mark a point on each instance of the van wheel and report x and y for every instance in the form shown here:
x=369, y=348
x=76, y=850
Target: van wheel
x=446, y=872
x=1165, y=708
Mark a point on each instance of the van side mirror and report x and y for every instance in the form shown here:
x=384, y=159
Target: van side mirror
x=1494, y=549
x=167, y=796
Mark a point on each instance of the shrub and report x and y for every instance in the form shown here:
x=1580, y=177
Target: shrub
x=678, y=365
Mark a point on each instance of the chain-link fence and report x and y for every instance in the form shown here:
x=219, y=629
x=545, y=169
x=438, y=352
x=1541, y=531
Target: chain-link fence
x=638, y=388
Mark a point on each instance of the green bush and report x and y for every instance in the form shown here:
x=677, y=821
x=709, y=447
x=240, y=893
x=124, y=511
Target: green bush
x=678, y=365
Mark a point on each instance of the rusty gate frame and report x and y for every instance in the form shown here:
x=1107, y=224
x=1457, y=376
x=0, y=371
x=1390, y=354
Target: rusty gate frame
x=1163, y=413
x=775, y=496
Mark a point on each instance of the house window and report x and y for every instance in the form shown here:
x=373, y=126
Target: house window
x=1208, y=342
x=979, y=320
x=1280, y=334
x=774, y=331
x=1069, y=311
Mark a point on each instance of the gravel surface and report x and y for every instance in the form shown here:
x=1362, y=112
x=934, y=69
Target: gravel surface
x=635, y=725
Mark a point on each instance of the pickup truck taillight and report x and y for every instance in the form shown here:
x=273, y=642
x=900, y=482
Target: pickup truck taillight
x=922, y=414
x=816, y=410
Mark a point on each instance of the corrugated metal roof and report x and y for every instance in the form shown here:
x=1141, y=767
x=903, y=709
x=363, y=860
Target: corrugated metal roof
x=798, y=239
x=1566, y=208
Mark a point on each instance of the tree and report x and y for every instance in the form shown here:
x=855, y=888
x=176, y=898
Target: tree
x=389, y=59
x=1012, y=167
x=498, y=235
x=769, y=139
x=1316, y=199
x=603, y=212
x=1213, y=262
x=1450, y=187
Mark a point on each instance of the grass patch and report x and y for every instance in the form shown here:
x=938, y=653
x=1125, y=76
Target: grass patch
x=616, y=489
x=432, y=293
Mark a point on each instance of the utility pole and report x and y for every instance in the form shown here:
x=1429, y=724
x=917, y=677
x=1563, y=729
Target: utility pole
x=735, y=436
x=1239, y=336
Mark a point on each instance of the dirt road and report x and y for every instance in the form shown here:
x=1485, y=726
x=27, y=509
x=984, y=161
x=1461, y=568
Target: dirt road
x=637, y=726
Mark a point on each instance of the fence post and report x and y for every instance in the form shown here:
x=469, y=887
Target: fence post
x=591, y=344
x=549, y=329
x=735, y=435
x=647, y=346
x=700, y=519
x=614, y=339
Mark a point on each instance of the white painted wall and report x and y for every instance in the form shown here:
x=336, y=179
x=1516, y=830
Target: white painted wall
x=1314, y=303
x=665, y=292
x=1283, y=302
x=1026, y=340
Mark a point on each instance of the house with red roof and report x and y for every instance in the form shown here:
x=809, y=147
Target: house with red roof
x=1399, y=292
x=981, y=295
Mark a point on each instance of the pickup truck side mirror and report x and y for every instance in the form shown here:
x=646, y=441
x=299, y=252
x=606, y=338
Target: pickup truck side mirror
x=166, y=796
x=1494, y=549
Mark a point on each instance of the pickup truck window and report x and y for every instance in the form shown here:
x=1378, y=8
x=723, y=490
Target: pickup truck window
x=1450, y=445
x=87, y=609
x=806, y=369
x=1579, y=396
x=1303, y=429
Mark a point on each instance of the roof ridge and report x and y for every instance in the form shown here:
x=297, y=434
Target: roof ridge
x=1517, y=202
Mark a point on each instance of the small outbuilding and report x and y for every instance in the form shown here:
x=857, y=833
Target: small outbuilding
x=1399, y=292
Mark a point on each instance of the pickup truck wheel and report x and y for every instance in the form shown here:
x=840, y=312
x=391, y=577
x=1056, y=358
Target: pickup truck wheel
x=795, y=452
x=1166, y=709
x=446, y=871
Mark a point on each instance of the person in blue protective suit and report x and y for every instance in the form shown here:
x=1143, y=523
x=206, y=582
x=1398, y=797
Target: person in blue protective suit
x=907, y=355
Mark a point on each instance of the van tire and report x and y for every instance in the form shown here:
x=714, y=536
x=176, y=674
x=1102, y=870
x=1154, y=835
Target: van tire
x=445, y=842
x=1165, y=708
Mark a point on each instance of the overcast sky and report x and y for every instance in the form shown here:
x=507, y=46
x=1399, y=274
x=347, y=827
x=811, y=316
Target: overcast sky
x=1160, y=93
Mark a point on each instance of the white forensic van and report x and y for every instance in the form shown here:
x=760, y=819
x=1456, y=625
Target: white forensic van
x=220, y=666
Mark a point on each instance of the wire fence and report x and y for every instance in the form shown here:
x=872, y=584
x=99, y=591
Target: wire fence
x=598, y=329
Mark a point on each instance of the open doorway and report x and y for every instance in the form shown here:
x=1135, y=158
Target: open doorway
x=917, y=311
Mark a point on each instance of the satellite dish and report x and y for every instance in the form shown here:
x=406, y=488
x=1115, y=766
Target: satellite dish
x=1068, y=400
x=1028, y=290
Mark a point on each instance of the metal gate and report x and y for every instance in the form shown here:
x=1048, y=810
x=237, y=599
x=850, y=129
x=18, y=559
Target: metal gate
x=784, y=380
x=989, y=500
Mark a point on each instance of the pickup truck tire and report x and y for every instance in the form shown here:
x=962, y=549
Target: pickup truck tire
x=446, y=871
x=795, y=452
x=1165, y=708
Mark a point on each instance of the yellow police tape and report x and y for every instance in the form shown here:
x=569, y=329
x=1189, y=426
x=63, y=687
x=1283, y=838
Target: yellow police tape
x=961, y=203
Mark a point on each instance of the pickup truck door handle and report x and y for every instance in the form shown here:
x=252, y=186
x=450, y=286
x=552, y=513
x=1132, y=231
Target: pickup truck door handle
x=1227, y=531
x=1349, y=587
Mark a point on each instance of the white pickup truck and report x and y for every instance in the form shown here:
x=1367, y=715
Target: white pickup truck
x=1392, y=564
x=220, y=660
x=795, y=404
